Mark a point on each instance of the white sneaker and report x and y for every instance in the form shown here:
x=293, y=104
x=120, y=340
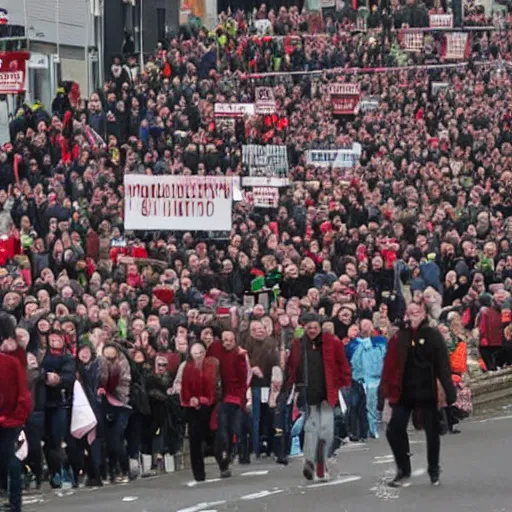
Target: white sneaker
x=326, y=478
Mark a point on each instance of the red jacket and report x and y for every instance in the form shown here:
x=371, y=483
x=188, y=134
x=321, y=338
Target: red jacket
x=200, y=383
x=233, y=373
x=491, y=332
x=15, y=399
x=336, y=367
x=8, y=249
x=215, y=349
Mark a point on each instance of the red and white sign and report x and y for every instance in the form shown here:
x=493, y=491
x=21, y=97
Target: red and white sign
x=233, y=109
x=441, y=20
x=265, y=197
x=344, y=98
x=12, y=72
x=265, y=101
x=457, y=46
x=411, y=41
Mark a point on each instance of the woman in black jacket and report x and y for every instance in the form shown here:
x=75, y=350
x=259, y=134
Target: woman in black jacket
x=34, y=427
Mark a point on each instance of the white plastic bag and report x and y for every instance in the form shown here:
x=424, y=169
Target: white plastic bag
x=22, y=446
x=343, y=404
x=83, y=419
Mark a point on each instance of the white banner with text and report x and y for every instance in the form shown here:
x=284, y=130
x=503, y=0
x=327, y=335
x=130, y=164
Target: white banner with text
x=334, y=157
x=177, y=203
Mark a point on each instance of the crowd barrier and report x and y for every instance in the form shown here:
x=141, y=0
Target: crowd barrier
x=490, y=391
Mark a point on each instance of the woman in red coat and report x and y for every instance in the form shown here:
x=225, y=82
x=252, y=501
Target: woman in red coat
x=198, y=393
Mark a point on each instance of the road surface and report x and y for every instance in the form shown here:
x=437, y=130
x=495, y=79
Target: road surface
x=477, y=477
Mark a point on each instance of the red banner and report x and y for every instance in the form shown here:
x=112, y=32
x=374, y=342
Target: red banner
x=12, y=72
x=344, y=98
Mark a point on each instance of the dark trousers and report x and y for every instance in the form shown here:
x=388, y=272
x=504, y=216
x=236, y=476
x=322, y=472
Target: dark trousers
x=134, y=435
x=282, y=427
x=56, y=431
x=10, y=466
x=262, y=423
x=399, y=440
x=230, y=417
x=357, y=418
x=491, y=357
x=34, y=430
x=245, y=441
x=198, y=429
x=116, y=421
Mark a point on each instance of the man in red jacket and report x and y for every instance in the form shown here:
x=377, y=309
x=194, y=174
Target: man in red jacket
x=15, y=408
x=319, y=367
x=234, y=371
x=416, y=359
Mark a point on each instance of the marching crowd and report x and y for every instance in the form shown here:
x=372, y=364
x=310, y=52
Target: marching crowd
x=151, y=329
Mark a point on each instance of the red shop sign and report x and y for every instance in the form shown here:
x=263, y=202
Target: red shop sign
x=12, y=72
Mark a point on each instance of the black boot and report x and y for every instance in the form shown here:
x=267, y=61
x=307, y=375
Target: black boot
x=401, y=479
x=434, y=476
x=281, y=447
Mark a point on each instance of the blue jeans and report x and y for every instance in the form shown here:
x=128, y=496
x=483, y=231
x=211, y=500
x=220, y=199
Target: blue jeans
x=116, y=421
x=357, y=421
x=34, y=430
x=56, y=430
x=10, y=466
x=229, y=424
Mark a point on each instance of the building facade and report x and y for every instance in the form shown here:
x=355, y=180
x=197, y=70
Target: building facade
x=75, y=40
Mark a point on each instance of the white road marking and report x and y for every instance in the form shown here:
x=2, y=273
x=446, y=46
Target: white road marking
x=261, y=494
x=387, y=459
x=419, y=472
x=193, y=483
x=498, y=418
x=390, y=456
x=201, y=507
x=256, y=473
x=32, y=500
x=61, y=494
x=130, y=498
x=346, y=480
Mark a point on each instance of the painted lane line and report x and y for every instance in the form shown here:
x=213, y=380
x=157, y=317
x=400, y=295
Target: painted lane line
x=200, y=507
x=346, y=480
x=256, y=473
x=497, y=418
x=262, y=494
x=390, y=456
x=193, y=483
x=419, y=472
x=130, y=498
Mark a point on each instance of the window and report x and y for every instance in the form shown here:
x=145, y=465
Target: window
x=160, y=20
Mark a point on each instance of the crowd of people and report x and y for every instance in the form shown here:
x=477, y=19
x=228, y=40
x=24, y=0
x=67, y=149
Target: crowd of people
x=153, y=325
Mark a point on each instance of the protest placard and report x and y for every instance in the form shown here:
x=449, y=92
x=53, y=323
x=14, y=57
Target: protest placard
x=265, y=101
x=334, y=157
x=233, y=109
x=344, y=98
x=265, y=161
x=177, y=203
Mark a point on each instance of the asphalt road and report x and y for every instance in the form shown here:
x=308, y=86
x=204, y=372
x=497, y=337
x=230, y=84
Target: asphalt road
x=477, y=477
